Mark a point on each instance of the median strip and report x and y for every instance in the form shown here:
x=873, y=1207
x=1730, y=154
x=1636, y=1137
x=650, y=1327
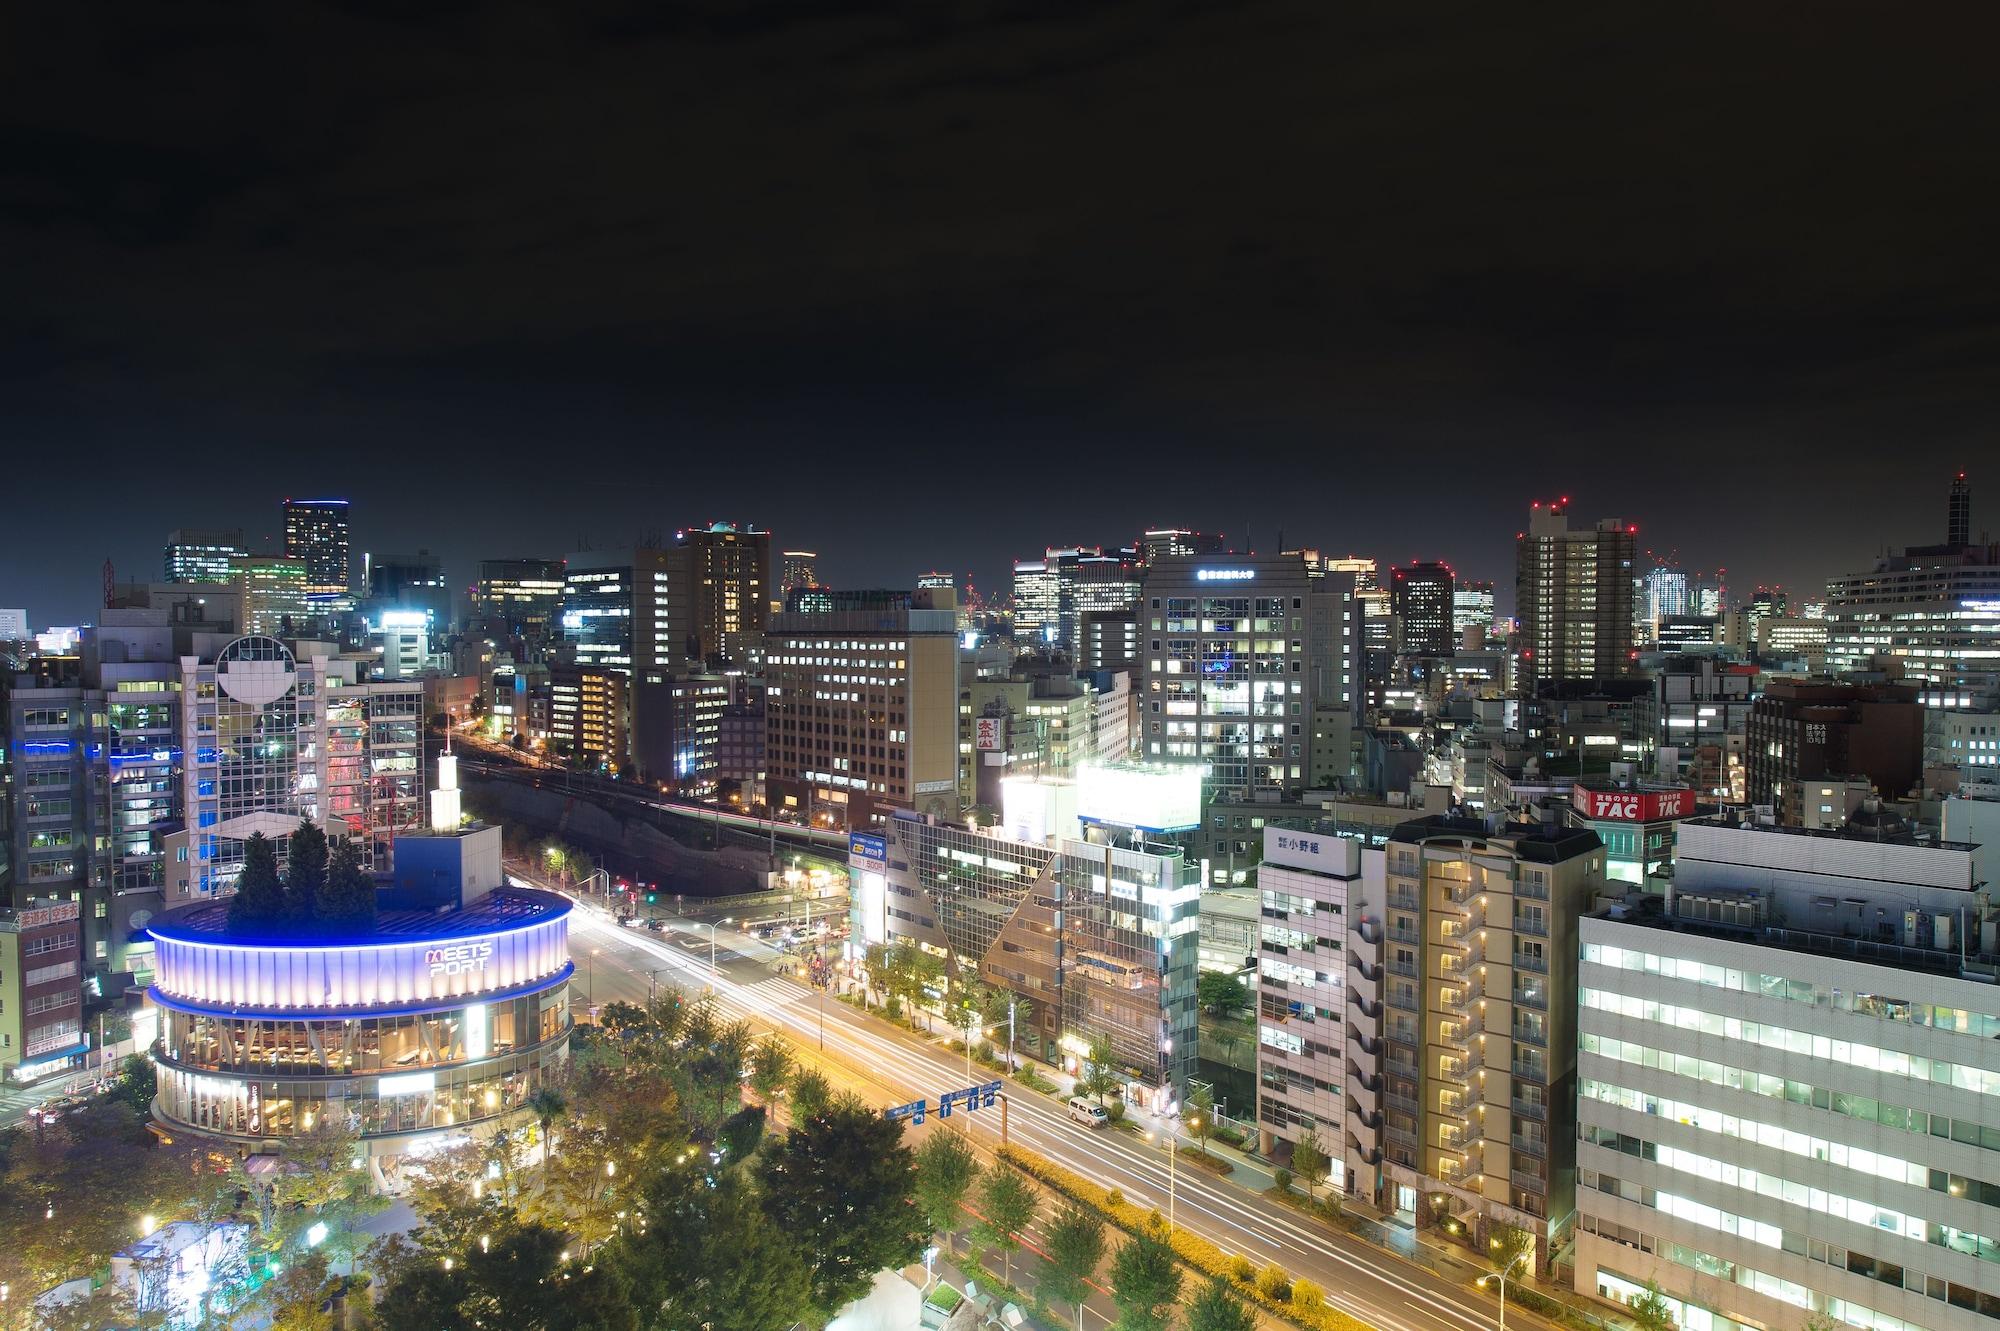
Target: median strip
x=1300, y=1303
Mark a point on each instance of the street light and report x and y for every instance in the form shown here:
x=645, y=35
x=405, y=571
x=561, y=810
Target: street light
x=589, y=974
x=1501, y=1275
x=1173, y=1152
x=711, y=950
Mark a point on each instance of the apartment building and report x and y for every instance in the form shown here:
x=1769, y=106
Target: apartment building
x=1478, y=1023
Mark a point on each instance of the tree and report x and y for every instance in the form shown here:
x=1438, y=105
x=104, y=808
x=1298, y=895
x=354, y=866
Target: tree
x=1075, y=1247
x=1309, y=1159
x=1508, y=1245
x=946, y=1168
x=1200, y=1115
x=841, y=1185
x=509, y=1276
x=298, y=1297
x=305, y=870
x=1145, y=1284
x=1819, y=1321
x=138, y=1083
x=1221, y=993
x=547, y=1104
x=1216, y=1308
x=348, y=898
x=260, y=893
x=811, y=1094
x=741, y=1134
x=1099, y=1076
x=770, y=1067
x=1009, y=1203
x=710, y=1257
x=1650, y=1309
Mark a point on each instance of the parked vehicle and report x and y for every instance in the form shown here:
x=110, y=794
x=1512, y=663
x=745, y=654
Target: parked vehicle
x=1087, y=1112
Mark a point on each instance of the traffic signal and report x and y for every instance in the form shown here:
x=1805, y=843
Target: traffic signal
x=652, y=897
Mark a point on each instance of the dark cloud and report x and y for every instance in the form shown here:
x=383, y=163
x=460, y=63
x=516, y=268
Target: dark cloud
x=932, y=283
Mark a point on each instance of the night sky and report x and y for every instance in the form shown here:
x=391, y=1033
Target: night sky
x=936, y=284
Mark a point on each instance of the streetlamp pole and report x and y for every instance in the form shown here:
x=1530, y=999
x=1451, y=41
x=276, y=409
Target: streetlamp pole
x=1501, y=1276
x=713, y=924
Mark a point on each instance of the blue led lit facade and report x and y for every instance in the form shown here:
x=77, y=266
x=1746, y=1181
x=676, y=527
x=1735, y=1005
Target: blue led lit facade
x=426, y=1026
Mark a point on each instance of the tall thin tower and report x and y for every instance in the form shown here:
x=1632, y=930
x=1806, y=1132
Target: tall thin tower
x=1959, y=528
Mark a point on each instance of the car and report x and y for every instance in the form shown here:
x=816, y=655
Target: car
x=658, y=926
x=631, y=921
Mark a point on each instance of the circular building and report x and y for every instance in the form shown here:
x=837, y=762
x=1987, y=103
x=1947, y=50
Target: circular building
x=439, y=1020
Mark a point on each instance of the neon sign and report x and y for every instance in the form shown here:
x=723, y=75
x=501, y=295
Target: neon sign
x=1224, y=574
x=459, y=959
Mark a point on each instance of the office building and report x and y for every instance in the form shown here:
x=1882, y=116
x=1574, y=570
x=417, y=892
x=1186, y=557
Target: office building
x=1471, y=608
x=524, y=595
x=1786, y=1087
x=1101, y=939
x=1636, y=822
x=1696, y=719
x=1110, y=640
x=1802, y=731
x=722, y=589
x=1158, y=542
x=41, y=990
x=739, y=753
x=275, y=733
x=934, y=579
x=590, y=713
x=1240, y=650
x=411, y=582
x=1968, y=744
x=1573, y=598
x=1479, y=1036
x=677, y=731
x=1933, y=610
x=519, y=701
x=1785, y=638
x=1311, y=957
x=1420, y=598
x=799, y=568
x=619, y=610
x=275, y=591
x=316, y=532
x=1053, y=593
x=1665, y=592
x=861, y=706
x=196, y=555
x=1679, y=633
x=13, y=624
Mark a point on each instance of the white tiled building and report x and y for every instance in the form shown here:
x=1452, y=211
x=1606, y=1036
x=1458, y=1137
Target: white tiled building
x=1774, y=1121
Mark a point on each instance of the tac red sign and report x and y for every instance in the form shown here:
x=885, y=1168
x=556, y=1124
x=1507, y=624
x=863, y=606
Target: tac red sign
x=1632, y=806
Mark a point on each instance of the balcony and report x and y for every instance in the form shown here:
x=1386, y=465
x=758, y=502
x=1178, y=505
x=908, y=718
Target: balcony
x=1533, y=1183
x=1531, y=890
x=1532, y=927
x=1401, y=935
x=1535, y=995
x=1531, y=1145
x=1403, y=898
x=1524, y=1109
x=1528, y=962
x=1531, y=1070
x=1399, y=967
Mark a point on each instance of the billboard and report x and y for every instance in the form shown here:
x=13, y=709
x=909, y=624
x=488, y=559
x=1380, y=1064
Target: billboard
x=989, y=732
x=1152, y=799
x=1631, y=806
x=867, y=846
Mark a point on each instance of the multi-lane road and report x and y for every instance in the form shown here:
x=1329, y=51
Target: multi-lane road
x=886, y=1068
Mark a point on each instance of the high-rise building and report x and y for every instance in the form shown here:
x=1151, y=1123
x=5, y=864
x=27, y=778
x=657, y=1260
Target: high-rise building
x=1420, y=598
x=1312, y=956
x=1666, y=593
x=800, y=568
x=274, y=733
x=1471, y=607
x=722, y=588
x=619, y=609
x=316, y=531
x=1802, y=731
x=1933, y=610
x=1158, y=542
x=274, y=591
x=933, y=580
x=1573, y=598
x=1240, y=650
x=13, y=624
x=861, y=706
x=677, y=731
x=411, y=582
x=1958, y=514
x=1052, y=594
x=195, y=555
x=1786, y=1086
x=1478, y=1033
x=1110, y=640
x=590, y=713
x=524, y=594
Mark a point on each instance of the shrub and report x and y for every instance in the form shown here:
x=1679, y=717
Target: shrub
x=1113, y=1199
x=1242, y=1270
x=1115, y=1111
x=1274, y=1284
x=1306, y=1295
x=1284, y=1179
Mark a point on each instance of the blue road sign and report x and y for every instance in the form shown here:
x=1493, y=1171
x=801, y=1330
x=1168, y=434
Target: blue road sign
x=913, y=1111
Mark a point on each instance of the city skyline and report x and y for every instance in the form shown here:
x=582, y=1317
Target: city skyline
x=874, y=264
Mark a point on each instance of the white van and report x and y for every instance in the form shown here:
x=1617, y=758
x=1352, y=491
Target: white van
x=1085, y=1112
